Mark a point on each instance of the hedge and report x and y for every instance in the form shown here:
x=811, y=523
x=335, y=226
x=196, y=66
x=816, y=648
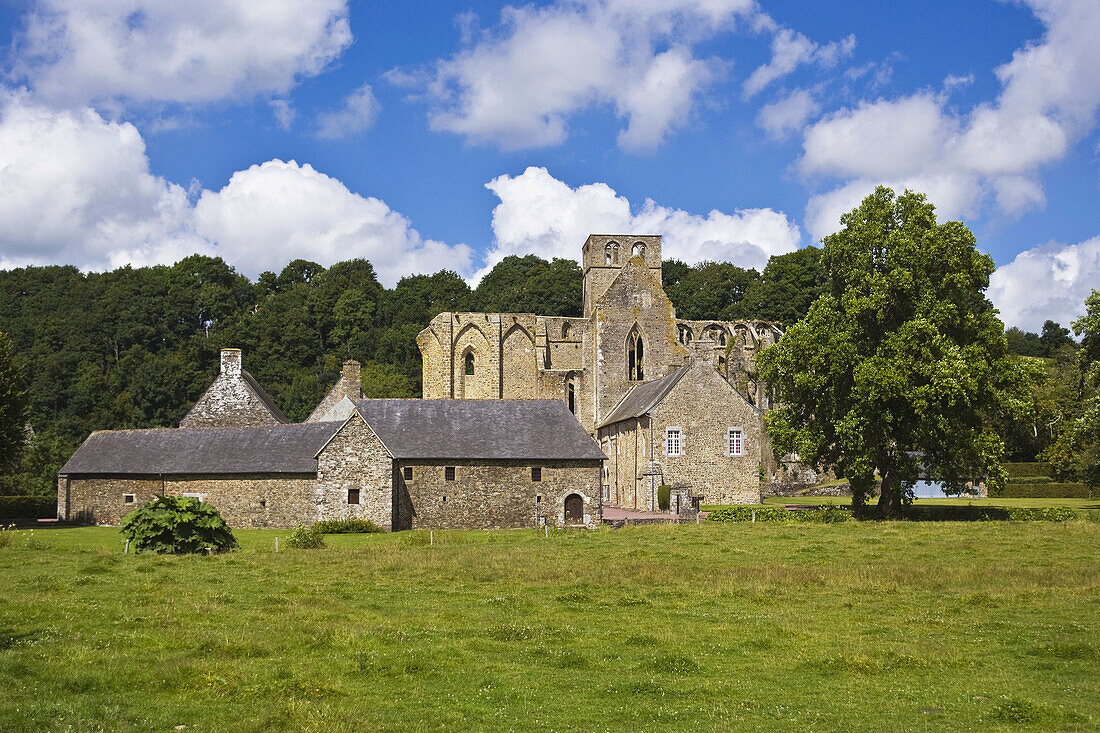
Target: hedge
x=1028, y=469
x=346, y=526
x=1045, y=491
x=827, y=514
x=1030, y=480
x=28, y=507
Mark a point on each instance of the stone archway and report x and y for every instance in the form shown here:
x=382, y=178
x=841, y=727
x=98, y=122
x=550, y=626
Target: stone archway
x=574, y=509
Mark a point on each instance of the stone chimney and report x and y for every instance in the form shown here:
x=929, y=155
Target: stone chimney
x=231, y=362
x=349, y=377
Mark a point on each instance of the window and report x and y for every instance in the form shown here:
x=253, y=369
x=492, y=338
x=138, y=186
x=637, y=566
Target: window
x=128, y=498
x=635, y=356
x=565, y=330
x=353, y=496
x=408, y=471
x=449, y=474
x=570, y=397
x=607, y=255
x=674, y=442
x=193, y=496
x=734, y=442
x=469, y=364
x=536, y=473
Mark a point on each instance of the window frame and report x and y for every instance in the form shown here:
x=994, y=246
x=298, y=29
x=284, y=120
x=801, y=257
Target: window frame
x=354, y=493
x=129, y=498
x=536, y=473
x=740, y=442
x=450, y=473
x=407, y=473
x=679, y=437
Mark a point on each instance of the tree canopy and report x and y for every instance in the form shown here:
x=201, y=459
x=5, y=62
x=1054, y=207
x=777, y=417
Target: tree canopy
x=13, y=406
x=897, y=367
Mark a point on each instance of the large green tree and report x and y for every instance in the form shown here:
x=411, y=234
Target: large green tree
x=899, y=365
x=13, y=406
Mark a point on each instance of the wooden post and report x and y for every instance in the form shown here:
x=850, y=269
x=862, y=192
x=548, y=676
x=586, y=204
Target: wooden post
x=431, y=536
x=127, y=550
x=754, y=516
x=276, y=544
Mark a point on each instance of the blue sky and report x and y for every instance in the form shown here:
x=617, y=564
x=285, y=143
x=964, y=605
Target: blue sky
x=424, y=135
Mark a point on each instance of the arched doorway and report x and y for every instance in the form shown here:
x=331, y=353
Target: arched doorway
x=574, y=509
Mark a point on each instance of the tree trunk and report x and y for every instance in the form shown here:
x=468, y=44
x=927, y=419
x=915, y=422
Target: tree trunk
x=889, y=501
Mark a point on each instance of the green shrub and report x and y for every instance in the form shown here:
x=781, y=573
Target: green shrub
x=177, y=525
x=1050, y=490
x=664, y=497
x=978, y=513
x=306, y=538
x=347, y=526
x=1028, y=469
x=827, y=514
x=1030, y=480
x=28, y=507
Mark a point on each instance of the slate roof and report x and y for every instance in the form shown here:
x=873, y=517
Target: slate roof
x=479, y=429
x=263, y=397
x=644, y=397
x=287, y=448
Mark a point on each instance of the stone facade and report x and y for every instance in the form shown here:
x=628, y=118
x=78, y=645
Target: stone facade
x=629, y=335
x=233, y=400
x=495, y=494
x=340, y=401
x=355, y=460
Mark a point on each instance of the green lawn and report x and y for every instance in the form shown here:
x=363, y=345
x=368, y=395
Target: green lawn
x=854, y=626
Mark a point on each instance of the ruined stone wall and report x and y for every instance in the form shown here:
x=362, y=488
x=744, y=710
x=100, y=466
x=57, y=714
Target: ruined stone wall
x=629, y=482
x=603, y=255
x=493, y=494
x=245, y=501
x=355, y=459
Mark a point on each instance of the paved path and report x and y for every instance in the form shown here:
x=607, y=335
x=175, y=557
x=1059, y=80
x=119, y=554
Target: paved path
x=615, y=514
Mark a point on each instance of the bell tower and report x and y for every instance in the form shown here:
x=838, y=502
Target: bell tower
x=603, y=255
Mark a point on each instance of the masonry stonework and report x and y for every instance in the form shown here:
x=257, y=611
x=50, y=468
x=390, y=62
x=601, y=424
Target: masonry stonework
x=355, y=460
x=233, y=400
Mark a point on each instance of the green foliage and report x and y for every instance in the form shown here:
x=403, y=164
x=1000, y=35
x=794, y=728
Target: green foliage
x=34, y=473
x=13, y=406
x=306, y=538
x=346, y=526
x=707, y=290
x=827, y=514
x=1016, y=471
x=531, y=285
x=664, y=497
x=1047, y=490
x=28, y=507
x=788, y=286
x=178, y=525
x=897, y=366
x=979, y=513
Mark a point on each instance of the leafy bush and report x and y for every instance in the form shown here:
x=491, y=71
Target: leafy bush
x=664, y=497
x=827, y=514
x=27, y=507
x=306, y=538
x=347, y=526
x=1030, y=480
x=978, y=513
x=1028, y=469
x=177, y=525
x=1050, y=490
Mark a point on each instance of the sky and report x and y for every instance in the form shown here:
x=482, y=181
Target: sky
x=429, y=135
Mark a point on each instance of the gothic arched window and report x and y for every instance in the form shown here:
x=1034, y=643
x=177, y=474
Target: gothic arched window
x=469, y=363
x=607, y=255
x=635, y=356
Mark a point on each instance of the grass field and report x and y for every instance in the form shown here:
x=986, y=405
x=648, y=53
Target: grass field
x=1083, y=506
x=855, y=626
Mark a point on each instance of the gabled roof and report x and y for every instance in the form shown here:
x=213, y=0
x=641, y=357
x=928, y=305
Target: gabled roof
x=644, y=397
x=263, y=397
x=268, y=449
x=479, y=429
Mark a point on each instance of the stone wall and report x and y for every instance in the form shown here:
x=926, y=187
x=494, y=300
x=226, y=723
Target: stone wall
x=355, y=459
x=230, y=401
x=248, y=501
x=340, y=401
x=493, y=494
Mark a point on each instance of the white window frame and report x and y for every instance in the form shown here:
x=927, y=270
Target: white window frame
x=192, y=495
x=129, y=498
x=679, y=438
x=740, y=442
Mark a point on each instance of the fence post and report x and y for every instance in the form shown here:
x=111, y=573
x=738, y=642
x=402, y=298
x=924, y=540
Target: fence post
x=754, y=516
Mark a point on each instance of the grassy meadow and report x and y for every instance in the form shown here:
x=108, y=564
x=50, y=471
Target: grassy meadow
x=854, y=626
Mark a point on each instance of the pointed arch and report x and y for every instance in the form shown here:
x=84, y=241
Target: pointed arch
x=635, y=355
x=471, y=349
x=519, y=362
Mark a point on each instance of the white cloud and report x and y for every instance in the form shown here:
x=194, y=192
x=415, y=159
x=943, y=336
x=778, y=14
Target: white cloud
x=356, y=115
x=284, y=113
x=521, y=81
x=78, y=51
x=275, y=212
x=1049, y=98
x=1051, y=281
x=790, y=50
x=78, y=190
x=787, y=115
x=538, y=214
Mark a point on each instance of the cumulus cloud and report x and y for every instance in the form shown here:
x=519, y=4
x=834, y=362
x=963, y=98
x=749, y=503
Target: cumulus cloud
x=76, y=51
x=78, y=190
x=356, y=115
x=516, y=85
x=791, y=49
x=1049, y=97
x=787, y=115
x=277, y=211
x=539, y=214
x=1051, y=281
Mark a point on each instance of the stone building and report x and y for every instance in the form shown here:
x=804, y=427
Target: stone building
x=628, y=336
x=400, y=463
x=235, y=399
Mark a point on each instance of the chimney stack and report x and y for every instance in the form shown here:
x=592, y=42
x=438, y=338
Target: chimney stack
x=231, y=362
x=349, y=375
